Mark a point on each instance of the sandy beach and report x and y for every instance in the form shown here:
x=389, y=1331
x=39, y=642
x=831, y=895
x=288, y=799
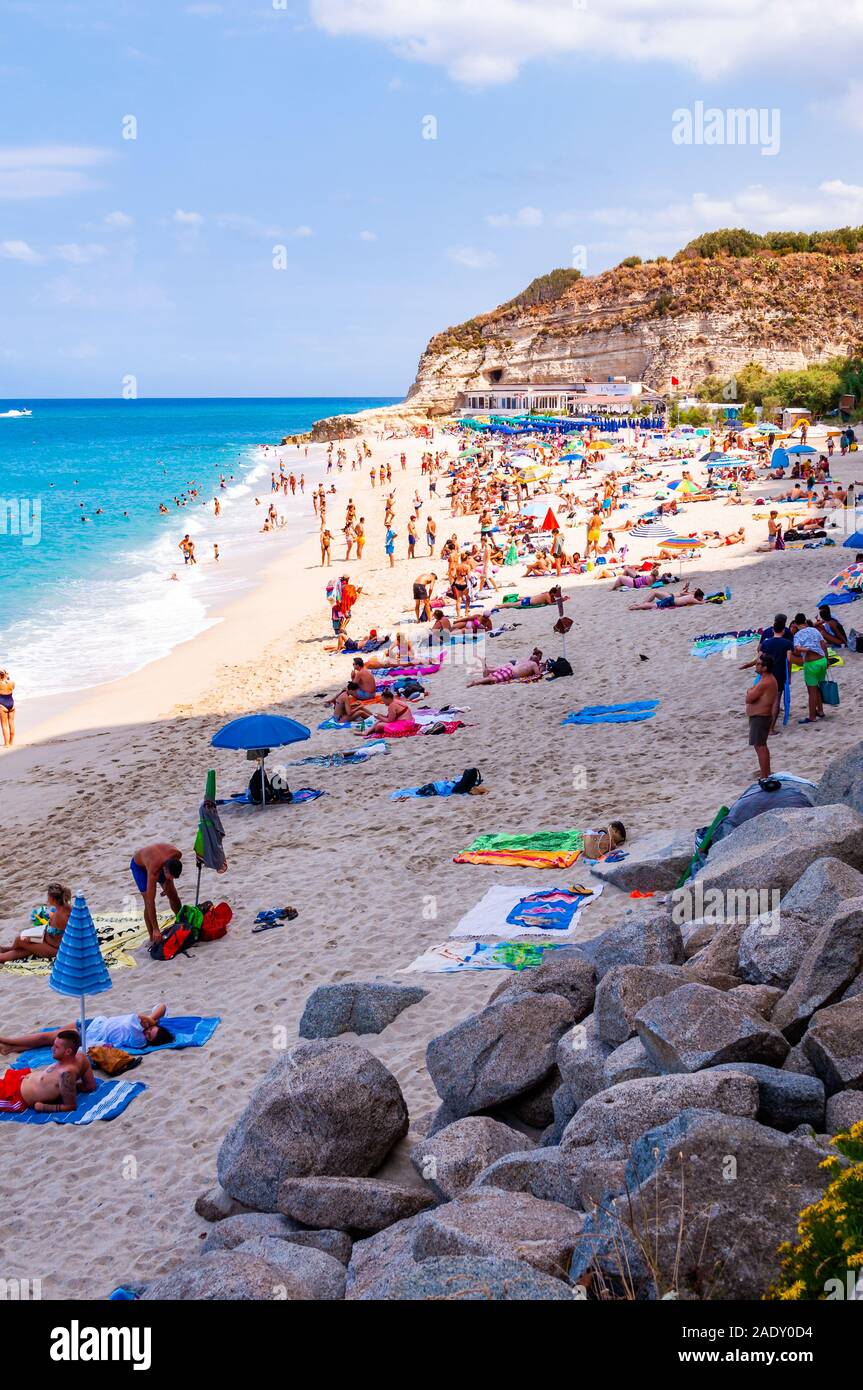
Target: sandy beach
x=123, y=764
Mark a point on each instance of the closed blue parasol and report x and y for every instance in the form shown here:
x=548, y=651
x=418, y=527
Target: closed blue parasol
x=79, y=968
x=257, y=734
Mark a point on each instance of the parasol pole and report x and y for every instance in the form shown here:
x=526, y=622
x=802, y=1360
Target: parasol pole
x=83, y=1023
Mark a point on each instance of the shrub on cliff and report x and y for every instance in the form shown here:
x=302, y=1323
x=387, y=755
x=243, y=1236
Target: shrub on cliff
x=830, y=1244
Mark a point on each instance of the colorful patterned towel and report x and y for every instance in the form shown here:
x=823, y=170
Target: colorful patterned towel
x=118, y=933
x=545, y=849
x=527, y=911
x=710, y=642
x=451, y=956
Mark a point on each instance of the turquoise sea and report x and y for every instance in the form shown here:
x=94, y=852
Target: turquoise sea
x=84, y=601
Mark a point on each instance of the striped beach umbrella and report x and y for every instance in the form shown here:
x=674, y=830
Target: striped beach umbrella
x=79, y=968
x=653, y=531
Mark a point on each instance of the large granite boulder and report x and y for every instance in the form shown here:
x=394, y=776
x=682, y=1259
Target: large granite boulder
x=842, y=779
x=562, y=972
x=382, y=1256
x=215, y=1205
x=758, y=999
x=697, y=1026
x=621, y=1114
x=496, y=1054
x=323, y=1108
x=786, y=1099
x=355, y=1006
x=653, y=863
x=581, y=1057
x=452, y=1158
x=508, y=1225
x=231, y=1232
x=628, y=1062
x=844, y=1109
x=772, y=850
x=366, y=1205
x=539, y=1172
x=471, y=1279
x=253, y=1273
x=833, y=1043
x=534, y=1107
x=719, y=956
x=712, y=1196
x=773, y=945
x=623, y=991
x=304, y=1272
x=644, y=937
x=828, y=967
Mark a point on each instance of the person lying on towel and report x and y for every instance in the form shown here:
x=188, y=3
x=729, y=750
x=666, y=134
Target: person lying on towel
x=53, y=1088
x=117, y=1030
x=526, y=670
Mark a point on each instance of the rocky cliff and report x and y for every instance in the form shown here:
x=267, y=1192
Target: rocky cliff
x=689, y=317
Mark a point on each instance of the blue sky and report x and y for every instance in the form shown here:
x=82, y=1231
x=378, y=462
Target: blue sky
x=301, y=127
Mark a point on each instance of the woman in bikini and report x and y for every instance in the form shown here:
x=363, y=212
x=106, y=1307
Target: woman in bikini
x=7, y=708
x=24, y=947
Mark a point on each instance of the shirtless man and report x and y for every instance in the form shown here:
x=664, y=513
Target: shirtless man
x=760, y=701
x=153, y=865
x=53, y=1088
x=681, y=600
x=543, y=600
x=362, y=677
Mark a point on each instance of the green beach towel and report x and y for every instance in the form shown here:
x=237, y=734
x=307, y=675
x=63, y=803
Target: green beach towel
x=548, y=841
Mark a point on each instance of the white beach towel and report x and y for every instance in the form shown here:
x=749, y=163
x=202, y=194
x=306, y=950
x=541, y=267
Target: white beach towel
x=488, y=916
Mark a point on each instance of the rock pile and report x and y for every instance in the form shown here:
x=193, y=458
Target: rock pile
x=643, y=1114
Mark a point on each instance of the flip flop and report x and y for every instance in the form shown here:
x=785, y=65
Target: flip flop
x=807, y=721
x=265, y=926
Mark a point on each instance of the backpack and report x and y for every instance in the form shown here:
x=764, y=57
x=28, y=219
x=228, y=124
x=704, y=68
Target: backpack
x=558, y=667
x=470, y=778
x=175, y=938
x=215, y=923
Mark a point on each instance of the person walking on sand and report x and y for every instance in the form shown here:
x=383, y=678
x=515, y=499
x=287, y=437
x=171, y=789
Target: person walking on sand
x=326, y=540
x=7, y=708
x=390, y=546
x=155, y=866
x=761, y=700
x=187, y=545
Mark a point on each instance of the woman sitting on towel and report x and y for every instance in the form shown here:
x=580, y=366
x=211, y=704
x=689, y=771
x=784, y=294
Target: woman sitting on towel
x=396, y=711
x=44, y=944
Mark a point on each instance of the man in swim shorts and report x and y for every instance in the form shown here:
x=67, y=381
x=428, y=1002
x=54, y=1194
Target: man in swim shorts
x=50, y=1089
x=152, y=866
x=423, y=585
x=761, y=699
x=810, y=648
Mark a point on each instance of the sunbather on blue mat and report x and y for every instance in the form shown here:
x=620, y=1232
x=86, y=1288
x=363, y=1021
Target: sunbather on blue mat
x=135, y=1033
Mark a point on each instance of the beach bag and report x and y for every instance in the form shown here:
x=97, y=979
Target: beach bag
x=559, y=667
x=470, y=778
x=829, y=692
x=175, y=939
x=112, y=1060
x=215, y=923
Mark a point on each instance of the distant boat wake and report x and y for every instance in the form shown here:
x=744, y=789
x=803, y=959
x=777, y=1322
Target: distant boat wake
x=11, y=414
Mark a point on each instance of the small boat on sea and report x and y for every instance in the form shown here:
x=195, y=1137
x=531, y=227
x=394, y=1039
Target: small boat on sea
x=12, y=414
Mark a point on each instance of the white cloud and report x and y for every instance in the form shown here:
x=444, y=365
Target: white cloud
x=849, y=107
x=482, y=45
x=188, y=219
x=118, y=222
x=472, y=258
x=302, y=231
x=47, y=171
x=240, y=222
x=20, y=251
x=77, y=254
x=368, y=236
x=525, y=217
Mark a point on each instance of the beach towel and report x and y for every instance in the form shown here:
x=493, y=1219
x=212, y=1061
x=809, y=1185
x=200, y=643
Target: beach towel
x=632, y=713
x=244, y=799
x=440, y=789
x=190, y=1030
x=710, y=642
x=109, y=1100
x=452, y=956
x=429, y=670
x=546, y=849
x=527, y=911
x=118, y=934
x=356, y=755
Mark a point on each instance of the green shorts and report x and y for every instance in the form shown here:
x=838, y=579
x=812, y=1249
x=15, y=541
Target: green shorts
x=814, y=672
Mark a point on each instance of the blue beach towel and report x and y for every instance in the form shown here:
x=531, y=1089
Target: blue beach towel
x=244, y=799
x=189, y=1030
x=109, y=1100
x=632, y=713
x=440, y=789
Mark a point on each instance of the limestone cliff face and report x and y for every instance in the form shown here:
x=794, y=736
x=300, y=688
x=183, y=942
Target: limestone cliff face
x=689, y=318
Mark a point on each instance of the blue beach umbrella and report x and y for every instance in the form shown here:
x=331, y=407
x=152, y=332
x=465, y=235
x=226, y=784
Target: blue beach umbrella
x=801, y=449
x=257, y=734
x=854, y=542
x=79, y=968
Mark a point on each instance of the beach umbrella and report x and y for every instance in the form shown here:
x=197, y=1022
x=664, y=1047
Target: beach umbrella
x=571, y=458
x=849, y=572
x=779, y=458
x=257, y=734
x=800, y=449
x=550, y=522
x=854, y=541
x=714, y=456
x=79, y=968
x=653, y=530
x=211, y=833
x=468, y=454
x=681, y=543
